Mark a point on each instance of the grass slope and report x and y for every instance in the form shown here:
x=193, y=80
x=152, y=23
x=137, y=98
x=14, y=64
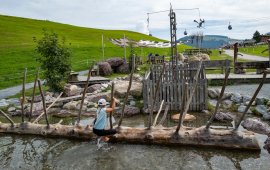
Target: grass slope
x=256, y=50
x=17, y=46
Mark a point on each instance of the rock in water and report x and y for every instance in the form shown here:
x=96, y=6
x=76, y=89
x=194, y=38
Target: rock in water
x=220, y=116
x=188, y=117
x=255, y=125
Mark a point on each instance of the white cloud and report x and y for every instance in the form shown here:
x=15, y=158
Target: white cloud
x=131, y=14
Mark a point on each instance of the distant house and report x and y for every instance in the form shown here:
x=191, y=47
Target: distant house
x=265, y=37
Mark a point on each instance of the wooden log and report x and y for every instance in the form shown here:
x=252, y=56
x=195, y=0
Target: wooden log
x=84, y=92
x=43, y=103
x=111, y=113
x=222, y=138
x=51, y=105
x=128, y=90
x=23, y=93
x=7, y=117
x=219, y=99
x=33, y=96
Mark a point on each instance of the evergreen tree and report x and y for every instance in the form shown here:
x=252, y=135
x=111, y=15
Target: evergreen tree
x=257, y=36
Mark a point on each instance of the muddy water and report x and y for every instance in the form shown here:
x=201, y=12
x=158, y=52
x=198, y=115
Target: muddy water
x=29, y=152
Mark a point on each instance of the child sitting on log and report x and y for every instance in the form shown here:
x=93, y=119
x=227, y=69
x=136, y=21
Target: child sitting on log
x=100, y=123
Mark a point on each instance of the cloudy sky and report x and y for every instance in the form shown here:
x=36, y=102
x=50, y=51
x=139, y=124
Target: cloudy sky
x=245, y=16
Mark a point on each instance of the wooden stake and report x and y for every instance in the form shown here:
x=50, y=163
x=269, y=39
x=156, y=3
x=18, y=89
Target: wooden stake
x=111, y=113
x=43, y=102
x=128, y=90
x=164, y=116
x=219, y=99
x=160, y=108
x=252, y=99
x=84, y=92
x=155, y=96
x=40, y=116
x=33, y=96
x=8, y=118
x=23, y=94
x=184, y=98
x=195, y=83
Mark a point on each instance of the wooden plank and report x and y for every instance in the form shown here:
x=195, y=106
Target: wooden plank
x=252, y=65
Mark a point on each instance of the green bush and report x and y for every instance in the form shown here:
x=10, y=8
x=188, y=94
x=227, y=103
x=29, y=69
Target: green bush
x=54, y=59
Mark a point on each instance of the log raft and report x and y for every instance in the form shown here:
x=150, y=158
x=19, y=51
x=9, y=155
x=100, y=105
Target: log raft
x=199, y=137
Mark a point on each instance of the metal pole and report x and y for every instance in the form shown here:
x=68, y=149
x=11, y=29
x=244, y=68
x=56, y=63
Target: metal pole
x=102, y=48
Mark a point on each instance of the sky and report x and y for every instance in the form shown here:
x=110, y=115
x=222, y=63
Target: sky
x=245, y=16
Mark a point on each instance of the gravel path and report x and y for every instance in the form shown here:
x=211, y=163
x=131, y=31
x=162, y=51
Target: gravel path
x=246, y=56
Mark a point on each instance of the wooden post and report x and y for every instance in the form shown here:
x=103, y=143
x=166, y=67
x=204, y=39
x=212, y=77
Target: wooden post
x=252, y=99
x=219, y=99
x=8, y=118
x=195, y=83
x=39, y=117
x=268, y=41
x=164, y=116
x=43, y=103
x=33, y=96
x=235, y=53
x=23, y=94
x=84, y=92
x=155, y=96
x=112, y=96
x=184, y=97
x=160, y=108
x=128, y=90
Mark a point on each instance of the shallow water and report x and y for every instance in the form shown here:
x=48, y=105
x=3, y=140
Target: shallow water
x=29, y=152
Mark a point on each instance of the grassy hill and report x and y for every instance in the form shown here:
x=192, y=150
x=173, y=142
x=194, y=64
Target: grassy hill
x=255, y=50
x=17, y=46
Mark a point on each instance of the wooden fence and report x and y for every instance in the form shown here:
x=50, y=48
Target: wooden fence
x=172, y=87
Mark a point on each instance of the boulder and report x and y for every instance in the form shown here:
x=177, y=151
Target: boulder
x=115, y=62
x=71, y=105
x=267, y=144
x=95, y=97
x=202, y=56
x=93, y=88
x=104, y=69
x=124, y=68
x=226, y=104
x=261, y=110
x=268, y=103
x=121, y=89
x=236, y=98
x=221, y=116
x=242, y=108
x=11, y=109
x=129, y=111
x=70, y=90
x=246, y=98
x=188, y=117
x=226, y=95
x=92, y=110
x=255, y=125
x=212, y=93
x=260, y=101
x=37, y=109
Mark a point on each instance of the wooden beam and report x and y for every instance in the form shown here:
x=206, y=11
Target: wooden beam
x=111, y=113
x=43, y=103
x=7, y=117
x=23, y=93
x=33, y=96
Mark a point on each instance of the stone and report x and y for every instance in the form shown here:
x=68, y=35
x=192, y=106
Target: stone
x=221, y=116
x=260, y=101
x=242, y=108
x=115, y=62
x=268, y=103
x=226, y=96
x=105, y=85
x=123, y=69
x=11, y=109
x=188, y=117
x=252, y=104
x=129, y=111
x=93, y=109
x=63, y=114
x=132, y=103
x=266, y=116
x=226, y=104
x=246, y=98
x=105, y=68
x=212, y=93
x=236, y=98
x=71, y=105
x=91, y=104
x=95, y=97
x=121, y=89
x=54, y=110
x=72, y=90
x=256, y=125
x=13, y=101
x=93, y=88
x=37, y=109
x=213, y=103
x=3, y=103
x=261, y=110
x=267, y=145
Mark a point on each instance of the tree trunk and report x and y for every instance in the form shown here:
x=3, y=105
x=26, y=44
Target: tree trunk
x=198, y=137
